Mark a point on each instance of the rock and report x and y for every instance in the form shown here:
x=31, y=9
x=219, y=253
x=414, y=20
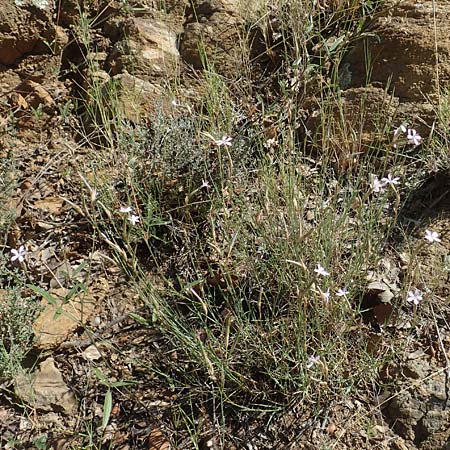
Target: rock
x=46, y=390
x=418, y=115
x=8, y=81
x=149, y=50
x=61, y=39
x=368, y=109
x=23, y=26
x=69, y=13
x=381, y=290
x=360, y=119
x=415, y=369
x=419, y=414
x=212, y=35
x=404, y=56
x=138, y=98
x=51, y=331
x=406, y=411
x=91, y=353
x=35, y=94
x=213, y=40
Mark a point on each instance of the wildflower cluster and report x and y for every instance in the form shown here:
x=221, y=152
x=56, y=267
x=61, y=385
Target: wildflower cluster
x=325, y=295
x=341, y=292
x=133, y=218
x=379, y=185
x=412, y=137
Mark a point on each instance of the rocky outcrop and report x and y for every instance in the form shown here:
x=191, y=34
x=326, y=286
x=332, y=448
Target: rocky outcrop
x=25, y=27
x=401, y=80
x=420, y=414
x=148, y=50
x=360, y=118
x=411, y=38
x=212, y=35
x=138, y=98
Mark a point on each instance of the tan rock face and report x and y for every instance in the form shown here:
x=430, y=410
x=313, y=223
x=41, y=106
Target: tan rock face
x=46, y=389
x=364, y=112
x=405, y=56
x=51, y=329
x=22, y=28
x=149, y=50
x=138, y=98
x=213, y=30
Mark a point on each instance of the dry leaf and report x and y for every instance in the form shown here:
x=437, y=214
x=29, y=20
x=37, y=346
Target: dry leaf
x=19, y=101
x=50, y=204
x=157, y=441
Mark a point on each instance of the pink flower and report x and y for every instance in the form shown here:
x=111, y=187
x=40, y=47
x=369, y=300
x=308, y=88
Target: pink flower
x=342, y=292
x=377, y=185
x=312, y=361
x=414, y=297
x=390, y=180
x=413, y=137
x=226, y=140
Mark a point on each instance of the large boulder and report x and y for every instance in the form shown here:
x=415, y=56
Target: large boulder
x=138, y=99
x=212, y=35
x=411, y=38
x=148, y=50
x=358, y=120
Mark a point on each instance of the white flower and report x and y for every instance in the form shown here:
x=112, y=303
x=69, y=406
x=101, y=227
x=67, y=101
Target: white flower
x=414, y=297
x=134, y=219
x=18, y=254
x=400, y=129
x=270, y=142
x=312, y=361
x=390, y=180
x=325, y=295
x=224, y=141
x=377, y=185
x=125, y=209
x=432, y=236
x=205, y=184
x=342, y=292
x=321, y=271
x=413, y=137
x=174, y=103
